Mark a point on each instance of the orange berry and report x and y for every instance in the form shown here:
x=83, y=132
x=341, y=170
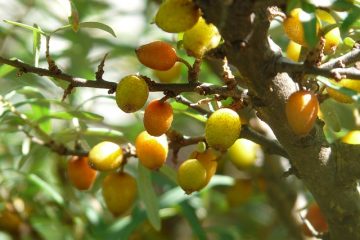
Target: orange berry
x=81, y=175
x=316, y=219
x=151, y=151
x=158, y=117
x=157, y=55
x=301, y=111
x=119, y=192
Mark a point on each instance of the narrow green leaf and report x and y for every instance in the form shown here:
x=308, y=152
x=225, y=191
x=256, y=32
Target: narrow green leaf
x=71, y=114
x=173, y=197
x=96, y=25
x=36, y=45
x=178, y=106
x=310, y=26
x=189, y=213
x=39, y=108
x=346, y=91
x=352, y=17
x=169, y=172
x=46, y=187
x=148, y=196
x=5, y=70
x=74, y=17
x=25, y=26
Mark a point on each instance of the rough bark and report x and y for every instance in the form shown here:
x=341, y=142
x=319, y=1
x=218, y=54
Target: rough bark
x=330, y=172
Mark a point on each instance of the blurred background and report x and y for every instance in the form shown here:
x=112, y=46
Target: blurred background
x=251, y=202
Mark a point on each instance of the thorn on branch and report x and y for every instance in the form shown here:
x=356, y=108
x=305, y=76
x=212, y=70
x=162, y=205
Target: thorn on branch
x=51, y=63
x=100, y=72
x=67, y=91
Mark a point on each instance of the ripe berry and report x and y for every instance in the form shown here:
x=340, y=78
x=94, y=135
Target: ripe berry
x=176, y=16
x=201, y=38
x=191, y=176
x=347, y=83
x=293, y=51
x=208, y=159
x=301, y=111
x=105, y=156
x=294, y=28
x=131, y=93
x=81, y=175
x=158, y=117
x=170, y=75
x=119, y=192
x=151, y=151
x=243, y=153
x=222, y=129
x=316, y=219
x=157, y=55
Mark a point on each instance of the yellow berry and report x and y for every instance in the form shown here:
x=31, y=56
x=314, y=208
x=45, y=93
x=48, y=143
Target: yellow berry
x=293, y=51
x=201, y=38
x=170, y=75
x=151, y=151
x=347, y=83
x=131, y=93
x=301, y=111
x=119, y=192
x=243, y=153
x=294, y=28
x=105, y=156
x=222, y=129
x=157, y=55
x=191, y=176
x=176, y=16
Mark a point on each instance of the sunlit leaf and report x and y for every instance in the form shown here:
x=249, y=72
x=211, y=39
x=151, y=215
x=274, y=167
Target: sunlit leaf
x=96, y=25
x=346, y=91
x=22, y=25
x=5, y=70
